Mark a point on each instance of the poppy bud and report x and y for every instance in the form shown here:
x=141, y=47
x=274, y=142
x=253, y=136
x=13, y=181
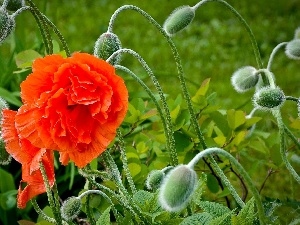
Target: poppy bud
x=292, y=49
x=177, y=188
x=70, y=208
x=244, y=79
x=7, y=24
x=154, y=179
x=106, y=45
x=5, y=158
x=179, y=19
x=14, y=5
x=268, y=98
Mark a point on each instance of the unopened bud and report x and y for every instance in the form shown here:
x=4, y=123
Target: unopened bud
x=7, y=24
x=268, y=98
x=106, y=45
x=244, y=79
x=179, y=19
x=292, y=49
x=154, y=179
x=177, y=188
x=70, y=208
x=14, y=5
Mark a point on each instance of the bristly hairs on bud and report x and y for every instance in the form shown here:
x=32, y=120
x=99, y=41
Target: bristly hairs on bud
x=297, y=33
x=106, y=45
x=179, y=19
x=244, y=79
x=71, y=208
x=268, y=98
x=154, y=179
x=177, y=188
x=292, y=49
x=7, y=24
x=5, y=157
x=14, y=5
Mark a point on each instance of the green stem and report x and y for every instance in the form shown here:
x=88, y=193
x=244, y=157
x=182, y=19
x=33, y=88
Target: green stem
x=121, y=146
x=4, y=4
x=282, y=131
x=40, y=212
x=42, y=26
x=88, y=209
x=54, y=207
x=291, y=135
x=241, y=170
x=291, y=98
x=268, y=75
x=246, y=26
x=169, y=127
x=275, y=50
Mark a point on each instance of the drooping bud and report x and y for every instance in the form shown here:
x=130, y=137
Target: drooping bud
x=70, y=208
x=244, y=79
x=292, y=49
x=177, y=188
x=154, y=179
x=297, y=33
x=14, y=5
x=179, y=19
x=106, y=45
x=268, y=98
x=7, y=24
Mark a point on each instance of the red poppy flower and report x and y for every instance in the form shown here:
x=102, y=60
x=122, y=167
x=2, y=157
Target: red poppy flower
x=30, y=157
x=73, y=105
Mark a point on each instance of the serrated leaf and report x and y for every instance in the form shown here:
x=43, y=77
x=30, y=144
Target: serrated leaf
x=143, y=199
x=24, y=59
x=223, y=219
x=213, y=208
x=198, y=218
x=104, y=219
x=247, y=215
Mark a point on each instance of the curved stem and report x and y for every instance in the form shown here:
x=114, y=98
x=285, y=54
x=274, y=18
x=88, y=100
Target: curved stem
x=275, y=50
x=241, y=170
x=244, y=23
x=291, y=98
x=41, y=213
x=268, y=75
x=121, y=146
x=4, y=4
x=282, y=130
x=291, y=135
x=170, y=137
x=54, y=207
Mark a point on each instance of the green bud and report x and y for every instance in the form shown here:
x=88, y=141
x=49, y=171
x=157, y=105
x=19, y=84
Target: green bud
x=154, y=179
x=297, y=33
x=268, y=98
x=71, y=208
x=7, y=24
x=292, y=49
x=14, y=5
x=244, y=79
x=177, y=188
x=106, y=45
x=179, y=19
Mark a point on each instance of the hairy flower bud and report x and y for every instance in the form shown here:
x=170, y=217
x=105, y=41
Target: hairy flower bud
x=106, y=45
x=244, y=79
x=179, y=19
x=14, y=5
x=268, y=98
x=7, y=24
x=177, y=188
x=71, y=208
x=154, y=179
x=292, y=49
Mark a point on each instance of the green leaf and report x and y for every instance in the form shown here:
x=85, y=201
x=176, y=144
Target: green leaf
x=104, y=219
x=134, y=169
x=212, y=183
x=223, y=219
x=8, y=199
x=182, y=142
x=24, y=59
x=213, y=208
x=235, y=118
x=10, y=97
x=25, y=222
x=9, y=184
x=247, y=215
x=198, y=218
